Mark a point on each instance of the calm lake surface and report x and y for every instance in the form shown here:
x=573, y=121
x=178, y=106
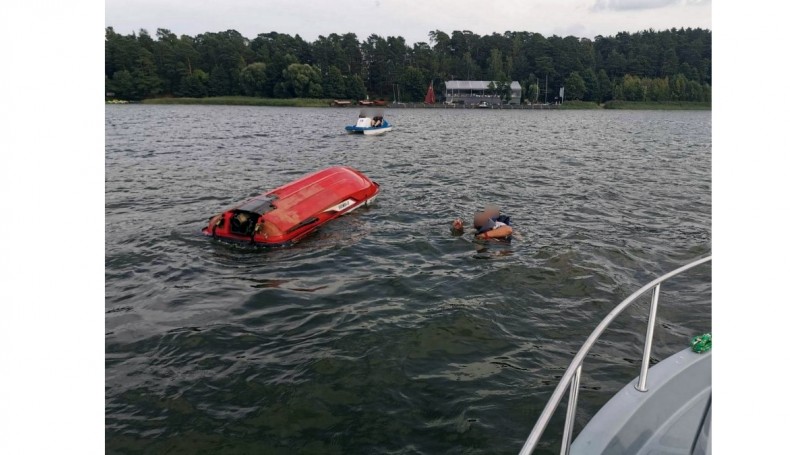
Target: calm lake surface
x=382, y=333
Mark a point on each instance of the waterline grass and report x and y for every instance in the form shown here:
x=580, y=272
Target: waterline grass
x=315, y=102
x=580, y=105
x=243, y=101
x=658, y=105
x=638, y=105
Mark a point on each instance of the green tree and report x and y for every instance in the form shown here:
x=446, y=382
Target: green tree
x=277, y=51
x=194, y=85
x=169, y=69
x=355, y=88
x=604, y=87
x=147, y=82
x=689, y=71
x=669, y=64
x=377, y=64
x=413, y=85
x=616, y=64
x=617, y=91
x=302, y=80
x=677, y=85
x=593, y=88
x=468, y=68
x=122, y=85
x=495, y=68
x=443, y=53
x=706, y=93
x=174, y=58
x=353, y=55
x=334, y=83
x=694, y=91
x=658, y=90
x=533, y=93
x=219, y=83
x=120, y=52
x=253, y=79
x=545, y=66
x=328, y=52
x=704, y=70
x=575, y=88
x=503, y=89
x=423, y=58
x=633, y=90
x=274, y=75
x=229, y=51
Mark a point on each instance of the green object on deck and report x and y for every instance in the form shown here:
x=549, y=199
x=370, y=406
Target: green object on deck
x=701, y=343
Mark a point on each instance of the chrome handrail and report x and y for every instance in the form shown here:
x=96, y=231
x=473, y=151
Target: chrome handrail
x=573, y=373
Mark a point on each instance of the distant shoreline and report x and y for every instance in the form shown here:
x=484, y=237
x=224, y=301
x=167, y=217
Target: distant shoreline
x=243, y=101
x=311, y=102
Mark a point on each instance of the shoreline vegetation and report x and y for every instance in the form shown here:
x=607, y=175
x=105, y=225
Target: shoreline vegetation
x=660, y=105
x=640, y=105
x=243, y=101
x=318, y=102
x=660, y=66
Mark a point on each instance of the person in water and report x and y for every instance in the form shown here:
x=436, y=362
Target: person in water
x=488, y=224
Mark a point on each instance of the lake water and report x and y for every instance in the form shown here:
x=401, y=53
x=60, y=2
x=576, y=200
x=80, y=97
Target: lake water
x=383, y=333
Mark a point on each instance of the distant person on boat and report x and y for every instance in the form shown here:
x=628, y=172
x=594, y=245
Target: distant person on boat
x=376, y=121
x=489, y=224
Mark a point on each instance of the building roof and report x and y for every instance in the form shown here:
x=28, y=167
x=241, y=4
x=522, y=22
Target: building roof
x=475, y=85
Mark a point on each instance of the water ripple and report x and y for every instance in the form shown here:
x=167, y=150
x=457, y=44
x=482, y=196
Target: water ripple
x=381, y=332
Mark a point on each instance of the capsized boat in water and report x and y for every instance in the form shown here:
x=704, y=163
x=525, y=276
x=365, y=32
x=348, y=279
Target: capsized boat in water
x=288, y=213
x=370, y=124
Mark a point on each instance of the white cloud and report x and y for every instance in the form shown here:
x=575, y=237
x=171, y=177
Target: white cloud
x=411, y=19
x=637, y=5
x=628, y=5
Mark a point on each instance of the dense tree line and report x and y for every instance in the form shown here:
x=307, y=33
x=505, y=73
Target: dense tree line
x=650, y=65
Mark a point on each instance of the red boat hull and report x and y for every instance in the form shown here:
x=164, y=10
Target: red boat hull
x=290, y=212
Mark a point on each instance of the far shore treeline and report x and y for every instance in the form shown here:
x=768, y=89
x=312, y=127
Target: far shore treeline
x=670, y=65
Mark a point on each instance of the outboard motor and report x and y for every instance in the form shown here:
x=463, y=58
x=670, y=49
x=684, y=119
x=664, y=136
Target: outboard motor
x=243, y=222
x=245, y=218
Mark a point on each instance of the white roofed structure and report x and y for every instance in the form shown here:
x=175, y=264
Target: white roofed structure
x=473, y=92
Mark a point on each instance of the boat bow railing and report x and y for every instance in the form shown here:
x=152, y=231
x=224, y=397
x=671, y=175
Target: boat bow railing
x=572, y=376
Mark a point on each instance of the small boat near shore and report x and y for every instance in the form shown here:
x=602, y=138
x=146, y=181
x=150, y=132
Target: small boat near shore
x=378, y=102
x=369, y=125
x=288, y=213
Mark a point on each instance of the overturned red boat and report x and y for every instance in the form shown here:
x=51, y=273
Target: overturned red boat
x=290, y=212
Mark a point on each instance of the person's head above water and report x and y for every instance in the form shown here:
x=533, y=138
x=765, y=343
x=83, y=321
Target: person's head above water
x=458, y=227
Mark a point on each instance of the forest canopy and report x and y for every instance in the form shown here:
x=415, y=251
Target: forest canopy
x=669, y=65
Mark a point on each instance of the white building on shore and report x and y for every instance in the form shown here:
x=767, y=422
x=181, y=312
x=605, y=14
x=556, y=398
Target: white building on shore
x=474, y=92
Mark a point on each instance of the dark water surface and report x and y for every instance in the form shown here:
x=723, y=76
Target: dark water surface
x=382, y=333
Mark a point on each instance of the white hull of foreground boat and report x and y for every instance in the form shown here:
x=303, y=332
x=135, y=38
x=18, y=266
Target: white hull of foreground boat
x=375, y=131
x=365, y=126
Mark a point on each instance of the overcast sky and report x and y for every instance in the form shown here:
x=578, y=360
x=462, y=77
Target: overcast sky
x=411, y=19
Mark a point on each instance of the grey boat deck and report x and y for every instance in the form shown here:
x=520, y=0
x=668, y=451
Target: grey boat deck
x=665, y=410
x=672, y=417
